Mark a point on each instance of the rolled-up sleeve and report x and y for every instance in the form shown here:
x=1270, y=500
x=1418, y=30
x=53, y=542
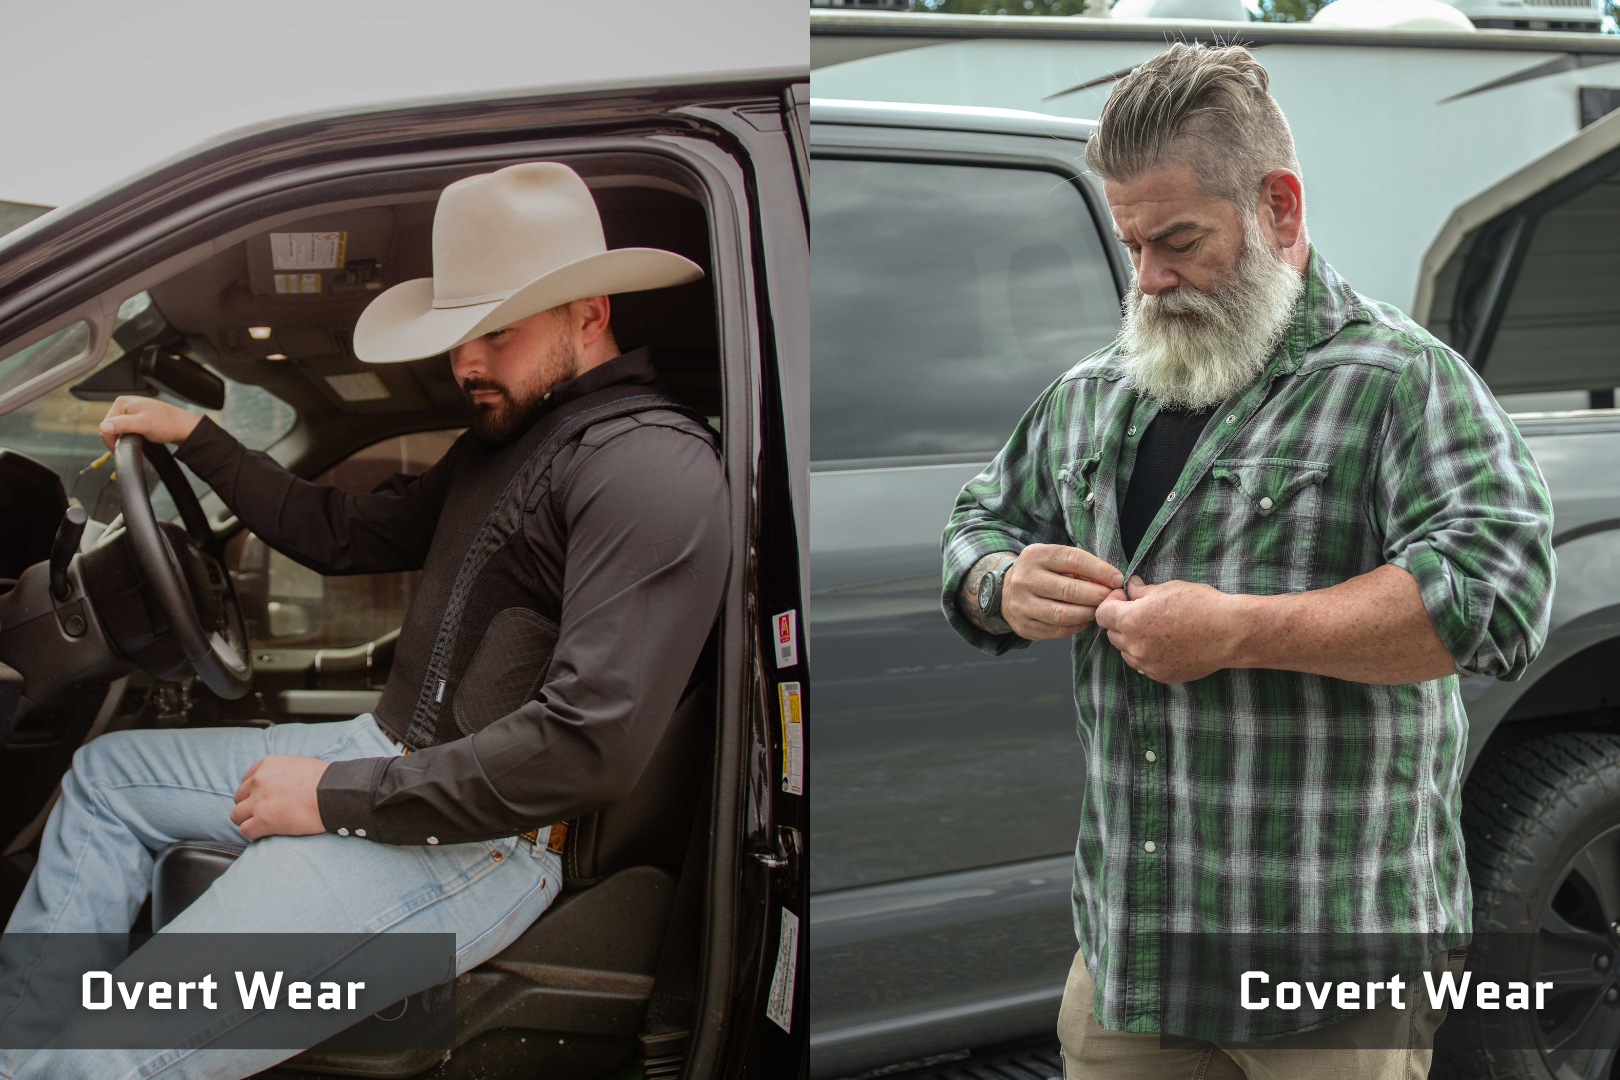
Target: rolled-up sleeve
x=1463, y=508
x=1013, y=503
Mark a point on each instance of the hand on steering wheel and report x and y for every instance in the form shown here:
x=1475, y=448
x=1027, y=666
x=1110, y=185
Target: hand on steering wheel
x=192, y=587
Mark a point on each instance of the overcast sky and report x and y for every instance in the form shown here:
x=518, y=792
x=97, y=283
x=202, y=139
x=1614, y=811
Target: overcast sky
x=95, y=90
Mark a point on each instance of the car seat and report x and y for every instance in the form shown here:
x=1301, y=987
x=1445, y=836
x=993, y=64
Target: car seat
x=585, y=969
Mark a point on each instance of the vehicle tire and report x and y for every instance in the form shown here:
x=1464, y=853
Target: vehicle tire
x=1541, y=822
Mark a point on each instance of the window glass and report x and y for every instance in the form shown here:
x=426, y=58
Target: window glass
x=62, y=347
x=1561, y=321
x=63, y=432
x=944, y=299
x=287, y=604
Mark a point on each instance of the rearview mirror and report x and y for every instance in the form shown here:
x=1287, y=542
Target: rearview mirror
x=151, y=371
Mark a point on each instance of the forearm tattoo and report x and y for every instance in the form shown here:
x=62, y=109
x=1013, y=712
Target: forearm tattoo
x=967, y=597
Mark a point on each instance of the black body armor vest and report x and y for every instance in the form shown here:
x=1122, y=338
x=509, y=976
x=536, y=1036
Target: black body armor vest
x=479, y=636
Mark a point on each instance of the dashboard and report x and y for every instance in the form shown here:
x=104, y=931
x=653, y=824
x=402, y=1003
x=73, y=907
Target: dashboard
x=32, y=502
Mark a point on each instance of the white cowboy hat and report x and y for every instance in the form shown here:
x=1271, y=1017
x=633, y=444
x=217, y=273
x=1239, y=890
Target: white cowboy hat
x=506, y=245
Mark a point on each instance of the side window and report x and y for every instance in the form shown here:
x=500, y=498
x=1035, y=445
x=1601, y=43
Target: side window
x=944, y=299
x=62, y=430
x=287, y=604
x=1545, y=270
x=64, y=346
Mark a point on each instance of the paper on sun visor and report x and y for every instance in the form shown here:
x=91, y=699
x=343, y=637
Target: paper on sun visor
x=298, y=283
x=360, y=386
x=307, y=250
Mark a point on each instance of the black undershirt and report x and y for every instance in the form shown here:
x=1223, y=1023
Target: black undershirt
x=1160, y=457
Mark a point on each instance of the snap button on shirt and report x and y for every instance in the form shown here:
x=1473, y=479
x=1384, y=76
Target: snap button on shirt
x=1150, y=847
x=433, y=839
x=359, y=832
x=1151, y=756
x=1265, y=503
x=343, y=832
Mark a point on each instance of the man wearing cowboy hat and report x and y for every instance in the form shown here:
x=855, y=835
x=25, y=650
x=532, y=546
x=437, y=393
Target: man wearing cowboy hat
x=574, y=550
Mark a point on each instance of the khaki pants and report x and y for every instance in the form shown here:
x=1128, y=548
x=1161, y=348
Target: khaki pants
x=1092, y=1052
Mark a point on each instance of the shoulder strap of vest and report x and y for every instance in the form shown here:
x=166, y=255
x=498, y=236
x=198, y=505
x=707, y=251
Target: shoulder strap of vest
x=568, y=421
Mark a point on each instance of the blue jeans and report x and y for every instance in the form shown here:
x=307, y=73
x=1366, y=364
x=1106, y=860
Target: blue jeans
x=131, y=793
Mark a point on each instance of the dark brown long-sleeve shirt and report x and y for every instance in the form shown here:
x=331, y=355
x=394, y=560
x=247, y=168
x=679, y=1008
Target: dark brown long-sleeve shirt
x=632, y=535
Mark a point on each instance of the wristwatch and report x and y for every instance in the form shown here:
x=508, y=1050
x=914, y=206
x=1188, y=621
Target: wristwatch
x=990, y=591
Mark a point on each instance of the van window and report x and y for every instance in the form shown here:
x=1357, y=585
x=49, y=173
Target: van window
x=1554, y=348
x=944, y=299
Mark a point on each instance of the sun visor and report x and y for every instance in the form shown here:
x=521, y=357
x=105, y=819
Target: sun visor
x=334, y=256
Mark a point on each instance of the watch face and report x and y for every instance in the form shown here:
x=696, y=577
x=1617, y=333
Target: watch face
x=987, y=592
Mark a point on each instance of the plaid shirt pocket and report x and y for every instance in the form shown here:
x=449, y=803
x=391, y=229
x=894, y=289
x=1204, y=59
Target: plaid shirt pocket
x=1265, y=513
x=1077, y=494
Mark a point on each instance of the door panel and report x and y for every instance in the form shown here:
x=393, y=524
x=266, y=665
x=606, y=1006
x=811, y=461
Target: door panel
x=1006, y=925
x=945, y=297
x=965, y=759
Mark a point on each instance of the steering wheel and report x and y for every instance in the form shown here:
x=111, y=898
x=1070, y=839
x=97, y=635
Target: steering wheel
x=184, y=569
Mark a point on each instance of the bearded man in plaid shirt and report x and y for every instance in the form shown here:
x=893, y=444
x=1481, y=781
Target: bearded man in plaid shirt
x=1278, y=518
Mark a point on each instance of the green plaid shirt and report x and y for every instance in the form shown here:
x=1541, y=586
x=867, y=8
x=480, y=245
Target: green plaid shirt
x=1278, y=801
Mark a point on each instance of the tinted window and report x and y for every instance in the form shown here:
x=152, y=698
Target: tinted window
x=944, y=299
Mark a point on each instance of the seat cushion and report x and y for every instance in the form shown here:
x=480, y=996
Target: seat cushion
x=184, y=871
x=584, y=968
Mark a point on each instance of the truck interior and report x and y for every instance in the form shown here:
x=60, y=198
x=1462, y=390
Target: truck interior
x=273, y=352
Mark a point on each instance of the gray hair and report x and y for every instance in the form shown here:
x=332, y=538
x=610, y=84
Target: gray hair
x=1208, y=108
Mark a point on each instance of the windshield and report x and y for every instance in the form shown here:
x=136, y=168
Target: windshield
x=63, y=432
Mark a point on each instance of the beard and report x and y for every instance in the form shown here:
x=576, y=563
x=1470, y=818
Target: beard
x=1188, y=349
x=520, y=406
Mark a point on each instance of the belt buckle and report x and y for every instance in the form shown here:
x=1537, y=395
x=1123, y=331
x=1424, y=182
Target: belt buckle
x=554, y=841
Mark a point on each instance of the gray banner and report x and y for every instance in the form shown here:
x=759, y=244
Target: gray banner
x=227, y=991
x=1557, y=991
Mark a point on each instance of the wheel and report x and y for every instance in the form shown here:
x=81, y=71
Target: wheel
x=1541, y=822
x=185, y=572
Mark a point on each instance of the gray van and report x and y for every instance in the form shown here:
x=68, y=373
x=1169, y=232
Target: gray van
x=962, y=263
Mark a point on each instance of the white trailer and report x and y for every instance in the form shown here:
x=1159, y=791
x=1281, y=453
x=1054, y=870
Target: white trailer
x=1395, y=127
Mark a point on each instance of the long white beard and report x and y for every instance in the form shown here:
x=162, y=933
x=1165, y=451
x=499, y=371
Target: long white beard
x=1191, y=350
